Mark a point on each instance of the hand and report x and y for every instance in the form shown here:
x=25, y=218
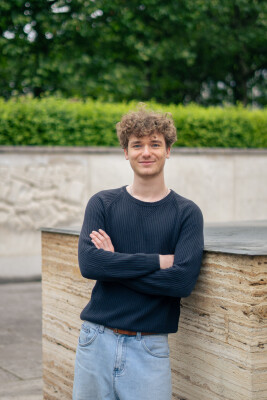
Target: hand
x=166, y=261
x=101, y=240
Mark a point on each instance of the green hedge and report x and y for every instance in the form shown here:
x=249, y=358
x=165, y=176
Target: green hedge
x=58, y=122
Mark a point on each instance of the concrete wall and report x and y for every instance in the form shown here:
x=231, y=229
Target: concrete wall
x=47, y=187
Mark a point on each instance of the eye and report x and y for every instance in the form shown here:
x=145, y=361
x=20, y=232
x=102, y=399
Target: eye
x=136, y=145
x=155, y=145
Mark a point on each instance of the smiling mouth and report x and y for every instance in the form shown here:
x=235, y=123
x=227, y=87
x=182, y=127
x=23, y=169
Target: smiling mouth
x=146, y=162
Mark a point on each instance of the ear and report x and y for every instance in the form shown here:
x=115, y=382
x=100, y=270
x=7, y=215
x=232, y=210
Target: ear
x=168, y=151
x=126, y=154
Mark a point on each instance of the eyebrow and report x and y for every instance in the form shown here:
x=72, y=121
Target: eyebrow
x=153, y=140
x=136, y=141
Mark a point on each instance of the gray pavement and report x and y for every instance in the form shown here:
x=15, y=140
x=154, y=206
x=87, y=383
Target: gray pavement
x=21, y=341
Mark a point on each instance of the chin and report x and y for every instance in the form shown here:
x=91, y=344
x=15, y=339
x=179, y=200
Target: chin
x=143, y=174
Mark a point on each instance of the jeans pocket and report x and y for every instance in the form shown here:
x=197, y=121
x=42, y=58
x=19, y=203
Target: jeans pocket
x=156, y=345
x=87, y=335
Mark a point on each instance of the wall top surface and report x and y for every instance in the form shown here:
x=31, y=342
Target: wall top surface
x=246, y=237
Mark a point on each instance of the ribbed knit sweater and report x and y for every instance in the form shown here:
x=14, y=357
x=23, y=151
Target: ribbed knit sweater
x=131, y=291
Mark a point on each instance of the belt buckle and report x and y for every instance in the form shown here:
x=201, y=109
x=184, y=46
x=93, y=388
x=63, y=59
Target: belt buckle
x=116, y=330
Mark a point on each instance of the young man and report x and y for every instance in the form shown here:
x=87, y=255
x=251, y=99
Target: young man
x=143, y=245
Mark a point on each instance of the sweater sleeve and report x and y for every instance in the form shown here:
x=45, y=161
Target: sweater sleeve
x=99, y=264
x=180, y=279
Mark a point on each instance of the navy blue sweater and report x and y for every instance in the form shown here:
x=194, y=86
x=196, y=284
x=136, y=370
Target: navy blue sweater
x=131, y=291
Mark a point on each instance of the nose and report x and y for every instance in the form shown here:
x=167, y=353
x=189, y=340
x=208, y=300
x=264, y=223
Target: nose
x=146, y=151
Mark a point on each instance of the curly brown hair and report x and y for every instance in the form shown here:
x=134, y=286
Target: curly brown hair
x=145, y=122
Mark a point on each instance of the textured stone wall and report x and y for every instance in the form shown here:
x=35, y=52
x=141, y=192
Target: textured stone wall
x=50, y=187
x=37, y=191
x=219, y=351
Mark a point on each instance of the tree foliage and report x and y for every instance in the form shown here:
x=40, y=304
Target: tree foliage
x=207, y=51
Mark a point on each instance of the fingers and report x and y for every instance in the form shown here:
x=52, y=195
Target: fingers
x=99, y=236
x=96, y=245
x=101, y=240
x=100, y=232
x=96, y=237
x=103, y=233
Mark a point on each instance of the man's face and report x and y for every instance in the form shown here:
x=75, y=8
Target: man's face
x=147, y=154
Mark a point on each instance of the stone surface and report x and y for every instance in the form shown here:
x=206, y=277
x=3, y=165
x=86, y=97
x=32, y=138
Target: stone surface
x=20, y=268
x=65, y=293
x=248, y=181
x=221, y=344
x=20, y=342
x=37, y=190
x=220, y=349
x=248, y=237
x=209, y=181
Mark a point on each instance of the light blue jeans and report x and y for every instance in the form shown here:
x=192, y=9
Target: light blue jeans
x=111, y=366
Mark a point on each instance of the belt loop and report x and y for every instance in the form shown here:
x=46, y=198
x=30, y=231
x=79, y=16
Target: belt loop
x=101, y=328
x=138, y=336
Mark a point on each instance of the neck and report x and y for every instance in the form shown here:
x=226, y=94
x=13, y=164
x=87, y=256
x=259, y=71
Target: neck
x=153, y=189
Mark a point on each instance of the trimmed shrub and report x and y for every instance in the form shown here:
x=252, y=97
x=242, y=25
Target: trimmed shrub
x=60, y=122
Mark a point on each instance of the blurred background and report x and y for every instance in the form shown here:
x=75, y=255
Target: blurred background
x=70, y=69
x=209, y=52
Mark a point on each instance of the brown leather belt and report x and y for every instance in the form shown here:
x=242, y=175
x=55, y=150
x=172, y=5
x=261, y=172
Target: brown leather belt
x=130, y=333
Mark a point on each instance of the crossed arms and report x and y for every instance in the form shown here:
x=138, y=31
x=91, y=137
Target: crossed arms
x=167, y=275
x=101, y=240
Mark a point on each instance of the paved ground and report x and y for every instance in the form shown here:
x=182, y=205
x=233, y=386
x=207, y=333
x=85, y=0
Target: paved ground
x=20, y=341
